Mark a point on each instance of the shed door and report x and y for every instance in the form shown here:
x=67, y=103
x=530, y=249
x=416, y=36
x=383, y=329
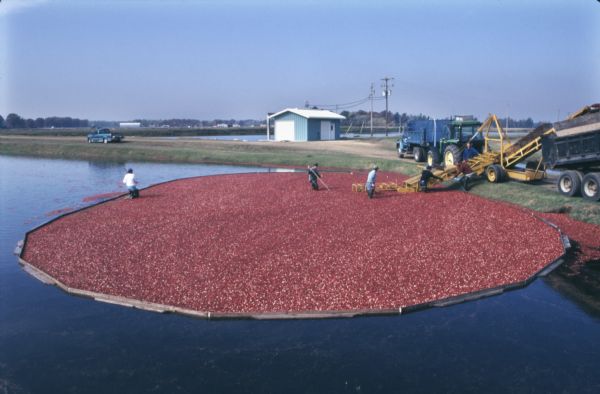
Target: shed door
x=327, y=130
x=284, y=130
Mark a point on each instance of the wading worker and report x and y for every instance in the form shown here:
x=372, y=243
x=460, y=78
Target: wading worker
x=426, y=175
x=371, y=178
x=313, y=176
x=130, y=182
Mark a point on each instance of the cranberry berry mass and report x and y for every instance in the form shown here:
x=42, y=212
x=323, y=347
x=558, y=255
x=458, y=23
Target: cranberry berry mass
x=267, y=243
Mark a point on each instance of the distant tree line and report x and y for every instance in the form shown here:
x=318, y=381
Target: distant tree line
x=358, y=118
x=184, y=123
x=198, y=123
x=14, y=121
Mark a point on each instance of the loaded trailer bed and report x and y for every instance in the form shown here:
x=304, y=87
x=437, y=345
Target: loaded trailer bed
x=574, y=149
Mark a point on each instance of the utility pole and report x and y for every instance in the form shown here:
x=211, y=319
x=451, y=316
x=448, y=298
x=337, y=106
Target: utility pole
x=371, y=97
x=386, y=85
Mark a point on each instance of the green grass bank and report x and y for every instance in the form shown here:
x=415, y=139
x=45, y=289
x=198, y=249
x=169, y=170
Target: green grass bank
x=196, y=151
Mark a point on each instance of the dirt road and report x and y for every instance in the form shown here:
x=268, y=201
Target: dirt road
x=380, y=148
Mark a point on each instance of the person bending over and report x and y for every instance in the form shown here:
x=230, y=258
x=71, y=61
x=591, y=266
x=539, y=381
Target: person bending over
x=130, y=183
x=426, y=175
x=371, y=178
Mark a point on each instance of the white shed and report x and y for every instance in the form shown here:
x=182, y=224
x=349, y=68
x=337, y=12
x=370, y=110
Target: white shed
x=294, y=124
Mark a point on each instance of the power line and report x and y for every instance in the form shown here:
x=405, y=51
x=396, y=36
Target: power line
x=372, y=96
x=341, y=104
x=388, y=83
x=350, y=104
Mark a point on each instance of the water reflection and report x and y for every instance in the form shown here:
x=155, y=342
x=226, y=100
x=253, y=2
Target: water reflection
x=105, y=165
x=578, y=282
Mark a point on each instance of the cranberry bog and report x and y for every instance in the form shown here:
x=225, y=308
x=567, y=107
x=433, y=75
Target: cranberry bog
x=267, y=246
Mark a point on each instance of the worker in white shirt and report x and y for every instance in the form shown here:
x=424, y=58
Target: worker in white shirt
x=371, y=179
x=130, y=182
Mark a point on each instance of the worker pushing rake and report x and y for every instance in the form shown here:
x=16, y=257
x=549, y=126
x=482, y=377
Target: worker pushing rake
x=314, y=177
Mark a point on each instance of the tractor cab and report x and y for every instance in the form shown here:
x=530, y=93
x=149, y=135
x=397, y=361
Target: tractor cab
x=448, y=149
x=464, y=130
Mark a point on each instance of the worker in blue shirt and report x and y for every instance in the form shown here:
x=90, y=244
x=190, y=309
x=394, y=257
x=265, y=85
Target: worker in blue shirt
x=469, y=152
x=463, y=167
x=371, y=178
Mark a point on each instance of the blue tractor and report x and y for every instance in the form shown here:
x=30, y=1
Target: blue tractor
x=439, y=142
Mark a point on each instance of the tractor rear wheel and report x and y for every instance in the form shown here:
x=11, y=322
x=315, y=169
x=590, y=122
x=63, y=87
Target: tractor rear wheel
x=452, y=155
x=419, y=154
x=433, y=158
x=494, y=173
x=590, y=186
x=569, y=183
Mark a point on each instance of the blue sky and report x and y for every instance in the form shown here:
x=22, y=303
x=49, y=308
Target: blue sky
x=121, y=60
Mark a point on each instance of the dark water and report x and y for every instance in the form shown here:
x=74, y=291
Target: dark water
x=532, y=340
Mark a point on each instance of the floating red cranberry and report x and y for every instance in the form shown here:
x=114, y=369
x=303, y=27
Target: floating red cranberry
x=268, y=243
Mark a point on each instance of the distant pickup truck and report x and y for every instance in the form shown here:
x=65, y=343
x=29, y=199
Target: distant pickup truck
x=105, y=136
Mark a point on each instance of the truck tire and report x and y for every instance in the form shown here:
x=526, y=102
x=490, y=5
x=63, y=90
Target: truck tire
x=569, y=183
x=452, y=155
x=495, y=173
x=590, y=186
x=419, y=154
x=433, y=158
